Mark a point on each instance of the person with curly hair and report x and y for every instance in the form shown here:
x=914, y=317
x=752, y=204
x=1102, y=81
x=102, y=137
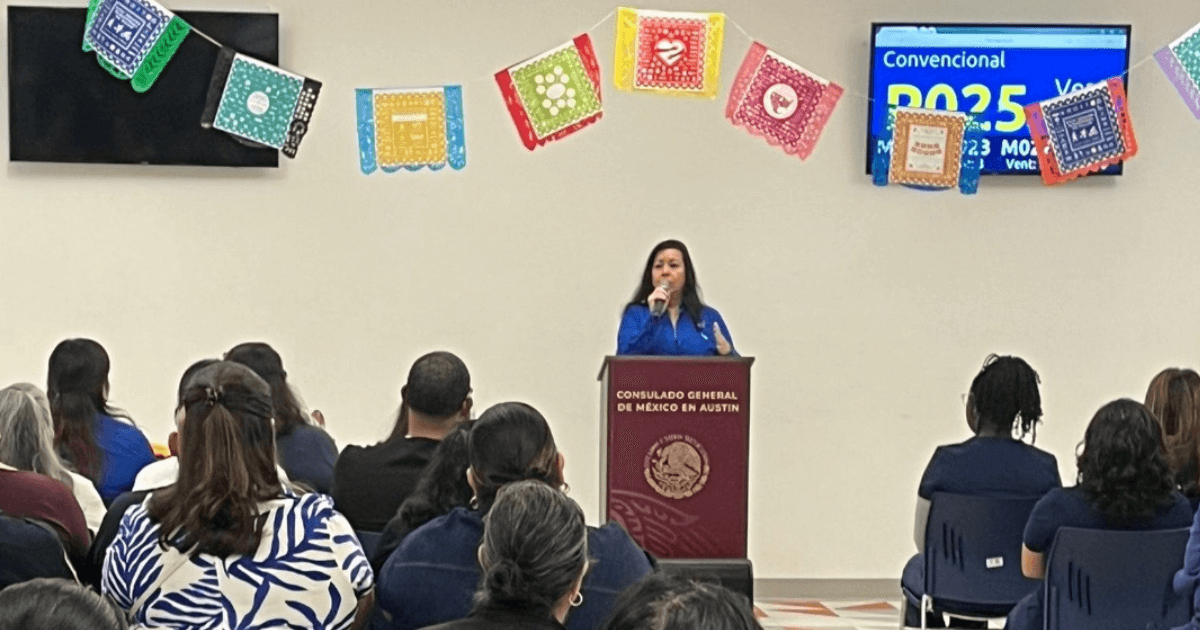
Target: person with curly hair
x=1174, y=399
x=1123, y=483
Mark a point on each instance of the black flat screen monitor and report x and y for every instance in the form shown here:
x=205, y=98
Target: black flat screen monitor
x=63, y=107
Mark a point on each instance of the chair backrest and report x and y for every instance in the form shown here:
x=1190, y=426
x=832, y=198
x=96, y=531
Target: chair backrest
x=1114, y=580
x=30, y=549
x=368, y=540
x=973, y=549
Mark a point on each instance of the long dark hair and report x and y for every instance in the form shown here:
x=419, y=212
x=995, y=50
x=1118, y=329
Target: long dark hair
x=443, y=484
x=267, y=363
x=1174, y=399
x=441, y=488
x=534, y=548
x=511, y=442
x=76, y=386
x=690, y=301
x=1122, y=469
x=666, y=601
x=226, y=465
x=1006, y=398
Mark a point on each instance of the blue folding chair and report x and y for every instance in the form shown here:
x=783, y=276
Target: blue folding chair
x=1115, y=580
x=368, y=540
x=973, y=555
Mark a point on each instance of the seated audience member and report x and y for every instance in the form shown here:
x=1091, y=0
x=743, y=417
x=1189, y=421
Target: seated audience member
x=29, y=549
x=57, y=604
x=370, y=483
x=160, y=474
x=431, y=577
x=442, y=487
x=163, y=472
x=667, y=601
x=27, y=443
x=99, y=441
x=1174, y=399
x=534, y=554
x=1123, y=483
x=198, y=553
x=1004, y=406
x=306, y=452
x=25, y=494
x=1187, y=579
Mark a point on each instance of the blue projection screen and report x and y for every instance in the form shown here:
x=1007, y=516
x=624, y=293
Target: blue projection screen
x=990, y=70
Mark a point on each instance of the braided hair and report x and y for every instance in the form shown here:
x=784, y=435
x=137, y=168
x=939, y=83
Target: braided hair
x=1005, y=396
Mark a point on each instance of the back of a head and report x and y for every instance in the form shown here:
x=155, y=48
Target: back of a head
x=267, y=363
x=56, y=604
x=438, y=383
x=1174, y=399
x=511, y=442
x=1005, y=395
x=226, y=462
x=534, y=548
x=78, y=366
x=667, y=601
x=75, y=385
x=27, y=432
x=1122, y=469
x=186, y=378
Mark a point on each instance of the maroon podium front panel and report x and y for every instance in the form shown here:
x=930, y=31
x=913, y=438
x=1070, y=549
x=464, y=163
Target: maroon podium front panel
x=677, y=437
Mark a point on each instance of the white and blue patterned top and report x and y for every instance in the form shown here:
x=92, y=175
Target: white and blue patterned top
x=308, y=572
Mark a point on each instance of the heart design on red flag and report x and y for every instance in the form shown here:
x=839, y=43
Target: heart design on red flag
x=669, y=50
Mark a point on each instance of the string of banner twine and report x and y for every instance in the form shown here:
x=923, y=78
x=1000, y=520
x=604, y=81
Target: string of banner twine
x=604, y=20
x=750, y=38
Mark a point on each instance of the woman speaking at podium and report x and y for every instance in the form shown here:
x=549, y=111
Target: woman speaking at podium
x=666, y=315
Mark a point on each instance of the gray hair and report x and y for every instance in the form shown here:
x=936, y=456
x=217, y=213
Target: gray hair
x=534, y=547
x=27, y=433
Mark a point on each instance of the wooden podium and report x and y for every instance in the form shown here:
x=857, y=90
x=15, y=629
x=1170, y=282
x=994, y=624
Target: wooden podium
x=675, y=434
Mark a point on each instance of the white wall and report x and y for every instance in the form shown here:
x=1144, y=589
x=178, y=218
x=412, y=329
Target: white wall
x=869, y=309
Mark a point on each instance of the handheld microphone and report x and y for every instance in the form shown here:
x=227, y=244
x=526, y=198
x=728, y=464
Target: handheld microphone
x=660, y=306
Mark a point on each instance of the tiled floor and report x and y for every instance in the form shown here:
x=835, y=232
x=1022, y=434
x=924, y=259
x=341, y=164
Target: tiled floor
x=811, y=614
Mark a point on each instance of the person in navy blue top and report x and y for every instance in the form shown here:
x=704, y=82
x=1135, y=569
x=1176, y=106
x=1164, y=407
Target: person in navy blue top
x=533, y=555
x=666, y=315
x=1124, y=483
x=432, y=576
x=98, y=440
x=305, y=451
x=1003, y=407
